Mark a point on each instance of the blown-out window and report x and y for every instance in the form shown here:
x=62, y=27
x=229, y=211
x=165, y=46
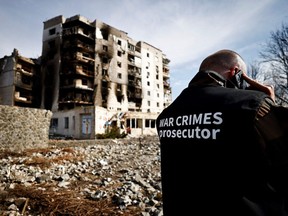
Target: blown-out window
x=66, y=122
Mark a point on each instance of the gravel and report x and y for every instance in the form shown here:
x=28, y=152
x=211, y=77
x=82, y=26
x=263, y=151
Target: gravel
x=90, y=177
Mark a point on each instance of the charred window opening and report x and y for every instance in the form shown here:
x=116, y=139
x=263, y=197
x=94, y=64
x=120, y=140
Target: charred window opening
x=66, y=122
x=105, y=59
x=52, y=44
x=26, y=80
x=119, y=88
x=54, y=123
x=84, y=82
x=153, y=123
x=131, y=59
x=105, y=34
x=104, y=84
x=86, y=32
x=52, y=31
x=104, y=92
x=131, y=47
x=104, y=88
x=85, y=55
x=119, y=95
x=150, y=123
x=22, y=95
x=104, y=72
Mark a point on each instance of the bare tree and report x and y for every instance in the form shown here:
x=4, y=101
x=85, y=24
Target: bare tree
x=255, y=71
x=275, y=54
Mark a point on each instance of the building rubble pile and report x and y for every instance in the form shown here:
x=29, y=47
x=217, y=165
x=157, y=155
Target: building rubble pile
x=119, y=177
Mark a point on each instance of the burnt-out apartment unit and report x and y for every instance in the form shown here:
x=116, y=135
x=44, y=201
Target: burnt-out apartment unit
x=20, y=81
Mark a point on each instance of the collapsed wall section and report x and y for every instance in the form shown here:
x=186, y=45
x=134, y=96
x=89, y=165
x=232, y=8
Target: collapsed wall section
x=22, y=128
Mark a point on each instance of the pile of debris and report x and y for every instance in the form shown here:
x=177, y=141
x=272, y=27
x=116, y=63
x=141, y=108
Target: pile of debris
x=111, y=177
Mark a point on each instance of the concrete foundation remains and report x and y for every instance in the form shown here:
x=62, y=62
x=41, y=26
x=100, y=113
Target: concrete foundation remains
x=22, y=128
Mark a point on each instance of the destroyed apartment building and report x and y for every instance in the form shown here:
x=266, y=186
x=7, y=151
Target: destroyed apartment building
x=20, y=81
x=92, y=76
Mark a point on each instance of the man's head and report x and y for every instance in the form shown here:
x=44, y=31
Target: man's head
x=225, y=62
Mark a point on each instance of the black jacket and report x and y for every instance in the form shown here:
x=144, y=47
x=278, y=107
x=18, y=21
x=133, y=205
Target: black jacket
x=223, y=151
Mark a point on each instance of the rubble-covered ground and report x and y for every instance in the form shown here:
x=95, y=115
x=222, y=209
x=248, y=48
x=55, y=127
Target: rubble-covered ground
x=95, y=177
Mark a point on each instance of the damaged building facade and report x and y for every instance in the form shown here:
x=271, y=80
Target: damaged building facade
x=19, y=81
x=97, y=77
x=93, y=77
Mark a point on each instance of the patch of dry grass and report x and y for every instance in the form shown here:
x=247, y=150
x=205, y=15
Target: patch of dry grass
x=65, y=202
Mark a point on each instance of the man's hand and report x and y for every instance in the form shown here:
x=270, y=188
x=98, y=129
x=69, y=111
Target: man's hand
x=254, y=85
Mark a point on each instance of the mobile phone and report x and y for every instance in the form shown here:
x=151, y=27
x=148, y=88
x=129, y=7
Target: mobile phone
x=238, y=80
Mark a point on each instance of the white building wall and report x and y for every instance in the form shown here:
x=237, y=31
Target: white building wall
x=87, y=122
x=81, y=123
x=152, y=87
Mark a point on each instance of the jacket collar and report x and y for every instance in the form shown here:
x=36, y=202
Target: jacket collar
x=210, y=78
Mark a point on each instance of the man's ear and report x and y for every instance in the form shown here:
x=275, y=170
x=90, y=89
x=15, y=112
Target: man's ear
x=232, y=72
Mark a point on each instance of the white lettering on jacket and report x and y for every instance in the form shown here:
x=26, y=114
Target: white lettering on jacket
x=197, y=120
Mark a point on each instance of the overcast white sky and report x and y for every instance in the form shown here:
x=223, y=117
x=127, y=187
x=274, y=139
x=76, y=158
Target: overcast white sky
x=185, y=30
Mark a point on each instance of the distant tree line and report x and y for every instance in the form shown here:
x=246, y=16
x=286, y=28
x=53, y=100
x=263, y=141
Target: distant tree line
x=273, y=66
